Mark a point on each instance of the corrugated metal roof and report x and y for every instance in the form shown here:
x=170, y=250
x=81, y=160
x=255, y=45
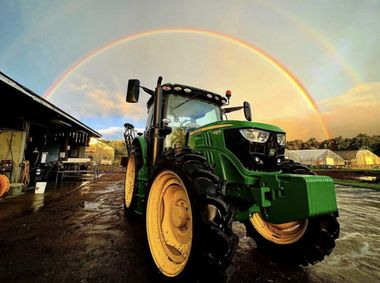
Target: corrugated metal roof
x=22, y=89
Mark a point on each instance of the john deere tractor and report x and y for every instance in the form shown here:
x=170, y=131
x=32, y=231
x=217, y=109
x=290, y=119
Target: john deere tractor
x=193, y=172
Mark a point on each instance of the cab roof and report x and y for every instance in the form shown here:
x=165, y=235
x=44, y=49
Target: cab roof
x=191, y=92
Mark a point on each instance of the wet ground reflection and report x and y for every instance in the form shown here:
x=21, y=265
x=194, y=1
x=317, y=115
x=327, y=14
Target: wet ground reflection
x=28, y=202
x=91, y=221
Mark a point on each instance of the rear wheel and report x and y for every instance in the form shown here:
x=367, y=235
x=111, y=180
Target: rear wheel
x=298, y=242
x=130, y=184
x=188, y=223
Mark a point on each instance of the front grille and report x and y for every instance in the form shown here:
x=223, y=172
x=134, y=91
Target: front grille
x=255, y=156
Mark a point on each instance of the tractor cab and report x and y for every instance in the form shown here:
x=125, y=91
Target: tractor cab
x=186, y=109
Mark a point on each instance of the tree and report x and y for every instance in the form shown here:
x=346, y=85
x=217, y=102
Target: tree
x=294, y=145
x=376, y=148
x=311, y=144
x=361, y=141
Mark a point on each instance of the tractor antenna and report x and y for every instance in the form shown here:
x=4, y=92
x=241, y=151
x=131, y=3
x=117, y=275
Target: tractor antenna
x=159, y=81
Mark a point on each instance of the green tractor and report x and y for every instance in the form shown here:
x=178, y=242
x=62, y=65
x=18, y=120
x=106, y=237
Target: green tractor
x=193, y=172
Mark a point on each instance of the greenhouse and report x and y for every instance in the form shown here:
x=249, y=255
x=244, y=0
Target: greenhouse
x=290, y=154
x=359, y=158
x=316, y=157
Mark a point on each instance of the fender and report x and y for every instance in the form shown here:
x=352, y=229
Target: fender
x=142, y=178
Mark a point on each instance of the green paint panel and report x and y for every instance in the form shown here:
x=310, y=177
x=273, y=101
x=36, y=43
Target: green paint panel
x=142, y=177
x=279, y=197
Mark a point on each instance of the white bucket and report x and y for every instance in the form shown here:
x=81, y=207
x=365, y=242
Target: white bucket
x=40, y=187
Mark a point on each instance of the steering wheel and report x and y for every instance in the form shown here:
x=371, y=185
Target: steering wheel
x=188, y=124
x=183, y=123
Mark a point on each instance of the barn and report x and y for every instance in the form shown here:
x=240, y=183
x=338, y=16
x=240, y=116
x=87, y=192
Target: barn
x=35, y=135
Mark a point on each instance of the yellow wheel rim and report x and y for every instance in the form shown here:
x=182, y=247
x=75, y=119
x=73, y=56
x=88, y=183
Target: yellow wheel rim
x=169, y=223
x=130, y=180
x=282, y=234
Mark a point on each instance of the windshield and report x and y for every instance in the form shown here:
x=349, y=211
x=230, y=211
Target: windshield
x=190, y=113
x=185, y=114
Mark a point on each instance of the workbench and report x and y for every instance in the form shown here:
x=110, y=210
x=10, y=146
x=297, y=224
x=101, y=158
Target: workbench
x=73, y=166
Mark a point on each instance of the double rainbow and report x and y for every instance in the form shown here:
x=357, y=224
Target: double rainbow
x=237, y=41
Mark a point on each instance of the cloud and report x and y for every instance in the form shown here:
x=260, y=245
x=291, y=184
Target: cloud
x=111, y=133
x=300, y=127
x=95, y=93
x=84, y=97
x=356, y=111
x=115, y=132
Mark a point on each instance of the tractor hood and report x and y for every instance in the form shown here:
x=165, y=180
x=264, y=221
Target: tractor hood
x=244, y=148
x=233, y=124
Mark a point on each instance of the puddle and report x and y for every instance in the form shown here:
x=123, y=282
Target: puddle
x=367, y=178
x=91, y=205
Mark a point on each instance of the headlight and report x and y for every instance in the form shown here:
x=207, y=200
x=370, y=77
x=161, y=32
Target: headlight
x=281, y=139
x=255, y=135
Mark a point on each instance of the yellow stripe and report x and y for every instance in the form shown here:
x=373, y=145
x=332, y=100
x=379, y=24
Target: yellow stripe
x=210, y=128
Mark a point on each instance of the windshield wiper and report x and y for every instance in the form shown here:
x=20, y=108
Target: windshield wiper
x=187, y=100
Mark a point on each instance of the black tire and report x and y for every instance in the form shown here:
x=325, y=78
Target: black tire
x=213, y=242
x=317, y=242
x=291, y=167
x=131, y=208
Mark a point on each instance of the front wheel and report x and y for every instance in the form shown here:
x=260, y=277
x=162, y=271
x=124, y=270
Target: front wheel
x=302, y=242
x=169, y=223
x=187, y=222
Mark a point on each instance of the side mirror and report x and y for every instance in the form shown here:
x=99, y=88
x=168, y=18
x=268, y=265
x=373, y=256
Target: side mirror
x=133, y=91
x=247, y=111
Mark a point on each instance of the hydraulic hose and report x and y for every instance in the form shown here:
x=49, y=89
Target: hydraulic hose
x=25, y=176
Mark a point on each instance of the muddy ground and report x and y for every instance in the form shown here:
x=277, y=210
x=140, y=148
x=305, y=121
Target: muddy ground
x=81, y=235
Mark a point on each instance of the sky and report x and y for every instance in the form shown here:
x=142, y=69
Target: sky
x=310, y=67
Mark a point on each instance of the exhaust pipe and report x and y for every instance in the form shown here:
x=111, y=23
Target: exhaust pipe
x=157, y=140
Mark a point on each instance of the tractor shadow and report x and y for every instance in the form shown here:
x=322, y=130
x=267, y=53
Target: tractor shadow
x=250, y=264
x=137, y=268
x=253, y=266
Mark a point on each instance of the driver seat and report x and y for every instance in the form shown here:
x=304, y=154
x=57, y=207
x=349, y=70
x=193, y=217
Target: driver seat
x=177, y=139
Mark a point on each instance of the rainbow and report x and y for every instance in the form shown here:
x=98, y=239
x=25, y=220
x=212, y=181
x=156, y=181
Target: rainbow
x=319, y=39
x=237, y=41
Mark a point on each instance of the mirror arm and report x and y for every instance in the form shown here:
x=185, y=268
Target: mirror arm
x=232, y=109
x=147, y=90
